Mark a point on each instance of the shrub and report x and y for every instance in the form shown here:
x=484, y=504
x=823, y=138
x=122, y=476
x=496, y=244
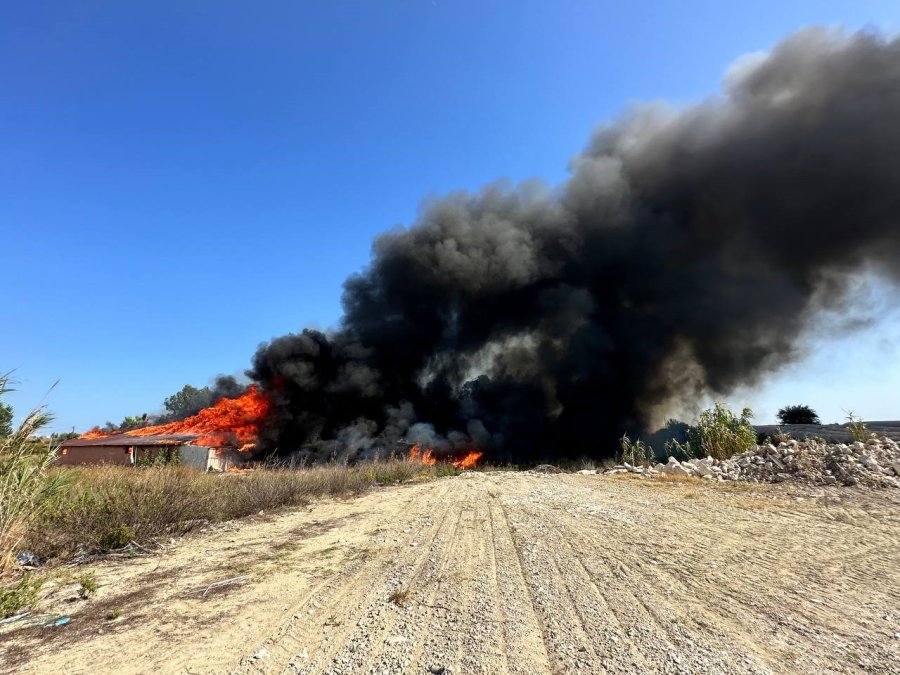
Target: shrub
x=798, y=414
x=635, y=453
x=118, y=536
x=160, y=457
x=718, y=433
x=679, y=450
x=107, y=507
x=857, y=427
x=87, y=586
x=19, y=596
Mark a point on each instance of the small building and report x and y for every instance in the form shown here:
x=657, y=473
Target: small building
x=133, y=450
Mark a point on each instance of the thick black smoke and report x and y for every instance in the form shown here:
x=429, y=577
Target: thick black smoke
x=685, y=256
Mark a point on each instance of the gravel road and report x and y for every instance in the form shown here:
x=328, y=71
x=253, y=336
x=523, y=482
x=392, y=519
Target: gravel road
x=499, y=573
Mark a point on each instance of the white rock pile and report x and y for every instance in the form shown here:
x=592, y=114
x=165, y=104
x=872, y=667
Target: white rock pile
x=875, y=463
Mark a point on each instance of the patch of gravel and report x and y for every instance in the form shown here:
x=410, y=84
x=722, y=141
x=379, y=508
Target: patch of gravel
x=875, y=463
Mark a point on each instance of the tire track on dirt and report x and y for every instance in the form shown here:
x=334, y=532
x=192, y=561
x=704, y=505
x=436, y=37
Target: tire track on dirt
x=351, y=646
x=512, y=573
x=651, y=622
x=565, y=637
x=525, y=638
x=310, y=628
x=762, y=627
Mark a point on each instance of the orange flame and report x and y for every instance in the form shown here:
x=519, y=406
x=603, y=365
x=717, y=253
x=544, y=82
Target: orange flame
x=468, y=460
x=426, y=457
x=231, y=421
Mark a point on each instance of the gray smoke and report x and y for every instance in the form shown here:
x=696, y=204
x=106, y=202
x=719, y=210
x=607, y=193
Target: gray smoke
x=685, y=256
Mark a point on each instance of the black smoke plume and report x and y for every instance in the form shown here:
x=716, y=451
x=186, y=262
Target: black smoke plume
x=685, y=256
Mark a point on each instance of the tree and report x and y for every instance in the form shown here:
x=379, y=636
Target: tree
x=798, y=414
x=129, y=423
x=134, y=422
x=6, y=417
x=189, y=401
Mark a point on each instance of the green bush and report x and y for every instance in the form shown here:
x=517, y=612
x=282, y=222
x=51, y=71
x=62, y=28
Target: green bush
x=19, y=596
x=118, y=536
x=798, y=414
x=87, y=586
x=160, y=457
x=719, y=433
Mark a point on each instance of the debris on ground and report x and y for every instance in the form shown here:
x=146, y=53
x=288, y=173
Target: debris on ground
x=874, y=463
x=226, y=582
x=547, y=468
x=34, y=621
x=28, y=559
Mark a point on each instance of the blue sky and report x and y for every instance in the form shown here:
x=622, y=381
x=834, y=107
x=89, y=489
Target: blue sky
x=180, y=181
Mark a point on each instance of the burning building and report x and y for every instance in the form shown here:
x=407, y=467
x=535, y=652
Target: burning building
x=127, y=450
x=218, y=437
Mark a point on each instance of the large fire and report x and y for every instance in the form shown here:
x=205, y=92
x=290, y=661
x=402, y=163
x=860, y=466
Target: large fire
x=231, y=421
x=467, y=460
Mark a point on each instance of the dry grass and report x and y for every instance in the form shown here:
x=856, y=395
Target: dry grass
x=107, y=507
x=399, y=596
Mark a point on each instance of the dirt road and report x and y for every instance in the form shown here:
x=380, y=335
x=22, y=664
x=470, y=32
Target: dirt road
x=503, y=573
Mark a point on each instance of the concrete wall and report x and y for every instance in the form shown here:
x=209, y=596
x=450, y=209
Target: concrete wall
x=94, y=454
x=195, y=456
x=205, y=459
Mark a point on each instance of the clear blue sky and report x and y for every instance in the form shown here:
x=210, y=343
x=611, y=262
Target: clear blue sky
x=182, y=180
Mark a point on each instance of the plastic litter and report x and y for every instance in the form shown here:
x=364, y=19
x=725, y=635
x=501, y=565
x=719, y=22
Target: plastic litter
x=35, y=620
x=28, y=559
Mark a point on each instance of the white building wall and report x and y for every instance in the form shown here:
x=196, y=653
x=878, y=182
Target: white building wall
x=204, y=459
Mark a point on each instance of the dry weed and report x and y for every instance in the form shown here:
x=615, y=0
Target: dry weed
x=108, y=507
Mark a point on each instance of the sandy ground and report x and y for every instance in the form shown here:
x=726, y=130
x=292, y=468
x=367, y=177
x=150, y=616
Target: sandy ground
x=502, y=573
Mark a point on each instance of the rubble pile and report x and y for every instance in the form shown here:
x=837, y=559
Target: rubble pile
x=874, y=463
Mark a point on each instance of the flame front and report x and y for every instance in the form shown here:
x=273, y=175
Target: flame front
x=231, y=421
x=468, y=460
x=426, y=457
x=95, y=433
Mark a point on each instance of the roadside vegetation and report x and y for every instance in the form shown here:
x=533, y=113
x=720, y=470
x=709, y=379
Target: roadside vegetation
x=106, y=508
x=719, y=433
x=27, y=486
x=857, y=427
x=635, y=453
